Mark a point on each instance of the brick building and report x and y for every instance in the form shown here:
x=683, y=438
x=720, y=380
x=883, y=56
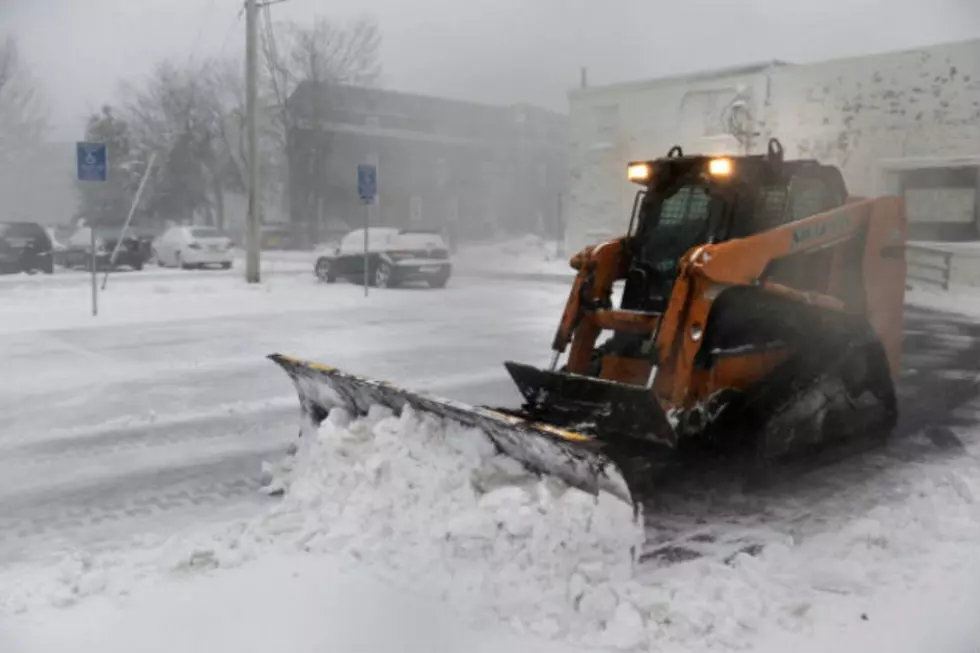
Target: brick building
x=470, y=169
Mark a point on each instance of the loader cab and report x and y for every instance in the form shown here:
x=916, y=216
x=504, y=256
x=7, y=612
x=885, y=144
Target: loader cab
x=687, y=201
x=683, y=204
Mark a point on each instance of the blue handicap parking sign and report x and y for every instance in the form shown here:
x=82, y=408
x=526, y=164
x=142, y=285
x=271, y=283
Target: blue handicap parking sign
x=92, y=160
x=367, y=182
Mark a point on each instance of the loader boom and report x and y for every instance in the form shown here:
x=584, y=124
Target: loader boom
x=711, y=269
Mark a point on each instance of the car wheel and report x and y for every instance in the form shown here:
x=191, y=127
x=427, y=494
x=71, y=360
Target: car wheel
x=226, y=265
x=323, y=272
x=179, y=261
x=382, y=275
x=138, y=265
x=439, y=282
x=155, y=255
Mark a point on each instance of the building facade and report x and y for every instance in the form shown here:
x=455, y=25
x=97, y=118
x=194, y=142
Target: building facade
x=473, y=171
x=906, y=123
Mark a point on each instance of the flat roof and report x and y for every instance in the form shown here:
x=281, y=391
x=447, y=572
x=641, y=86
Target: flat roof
x=700, y=75
x=756, y=67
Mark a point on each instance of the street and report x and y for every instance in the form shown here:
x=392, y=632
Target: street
x=145, y=427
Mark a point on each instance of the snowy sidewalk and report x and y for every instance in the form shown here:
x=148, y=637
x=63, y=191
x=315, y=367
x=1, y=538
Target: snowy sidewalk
x=286, y=604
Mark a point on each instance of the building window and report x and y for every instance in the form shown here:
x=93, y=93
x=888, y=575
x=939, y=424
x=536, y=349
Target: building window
x=415, y=209
x=605, y=122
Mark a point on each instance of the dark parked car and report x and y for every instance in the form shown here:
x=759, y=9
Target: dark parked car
x=25, y=247
x=395, y=257
x=133, y=252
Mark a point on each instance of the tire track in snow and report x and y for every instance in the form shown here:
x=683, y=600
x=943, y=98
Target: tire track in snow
x=108, y=511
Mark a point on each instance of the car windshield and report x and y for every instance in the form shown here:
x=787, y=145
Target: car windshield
x=205, y=232
x=418, y=240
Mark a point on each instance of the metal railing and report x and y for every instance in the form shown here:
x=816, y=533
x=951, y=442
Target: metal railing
x=928, y=265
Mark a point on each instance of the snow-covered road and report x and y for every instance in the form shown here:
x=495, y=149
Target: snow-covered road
x=159, y=412
x=153, y=420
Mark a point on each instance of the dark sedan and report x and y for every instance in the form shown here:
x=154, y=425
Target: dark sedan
x=133, y=252
x=395, y=257
x=25, y=247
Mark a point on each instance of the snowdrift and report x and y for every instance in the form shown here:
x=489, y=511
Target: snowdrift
x=433, y=510
x=527, y=254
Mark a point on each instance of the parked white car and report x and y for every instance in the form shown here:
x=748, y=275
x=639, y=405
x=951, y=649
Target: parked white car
x=193, y=247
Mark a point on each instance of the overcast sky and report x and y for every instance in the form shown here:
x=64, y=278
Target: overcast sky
x=498, y=51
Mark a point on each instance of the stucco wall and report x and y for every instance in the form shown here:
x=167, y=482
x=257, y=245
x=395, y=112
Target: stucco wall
x=862, y=114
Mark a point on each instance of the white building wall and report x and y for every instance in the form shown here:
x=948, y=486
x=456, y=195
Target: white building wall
x=866, y=114
x=611, y=126
x=869, y=115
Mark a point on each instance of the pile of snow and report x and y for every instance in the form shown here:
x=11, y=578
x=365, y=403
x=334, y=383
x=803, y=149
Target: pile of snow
x=528, y=254
x=529, y=247
x=429, y=507
x=432, y=507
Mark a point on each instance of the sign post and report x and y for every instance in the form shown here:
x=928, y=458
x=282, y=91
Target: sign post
x=92, y=165
x=367, y=189
x=129, y=218
x=95, y=286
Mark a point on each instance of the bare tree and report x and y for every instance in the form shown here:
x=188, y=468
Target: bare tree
x=23, y=110
x=183, y=112
x=321, y=55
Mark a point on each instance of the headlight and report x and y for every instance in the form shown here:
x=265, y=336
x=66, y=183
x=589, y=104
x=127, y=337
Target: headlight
x=639, y=172
x=720, y=167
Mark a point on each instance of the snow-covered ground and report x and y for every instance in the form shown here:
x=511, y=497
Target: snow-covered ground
x=131, y=516
x=165, y=403
x=525, y=255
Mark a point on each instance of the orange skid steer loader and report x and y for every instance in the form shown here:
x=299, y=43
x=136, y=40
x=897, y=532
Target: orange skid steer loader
x=760, y=317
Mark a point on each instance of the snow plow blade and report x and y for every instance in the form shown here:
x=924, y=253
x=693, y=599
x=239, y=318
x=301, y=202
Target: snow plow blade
x=575, y=458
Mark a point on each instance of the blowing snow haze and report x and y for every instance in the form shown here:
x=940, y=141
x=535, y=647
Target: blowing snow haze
x=499, y=51
x=685, y=359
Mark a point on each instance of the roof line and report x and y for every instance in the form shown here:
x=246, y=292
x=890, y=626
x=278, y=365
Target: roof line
x=698, y=75
x=434, y=98
x=746, y=69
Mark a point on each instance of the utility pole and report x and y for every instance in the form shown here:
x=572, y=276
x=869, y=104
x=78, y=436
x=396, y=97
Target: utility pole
x=251, y=95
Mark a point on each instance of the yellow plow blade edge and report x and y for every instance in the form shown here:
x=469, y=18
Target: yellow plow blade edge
x=575, y=458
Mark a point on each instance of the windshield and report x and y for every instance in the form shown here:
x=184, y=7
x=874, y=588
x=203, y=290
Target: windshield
x=680, y=224
x=205, y=232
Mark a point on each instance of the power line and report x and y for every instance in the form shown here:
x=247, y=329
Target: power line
x=231, y=29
